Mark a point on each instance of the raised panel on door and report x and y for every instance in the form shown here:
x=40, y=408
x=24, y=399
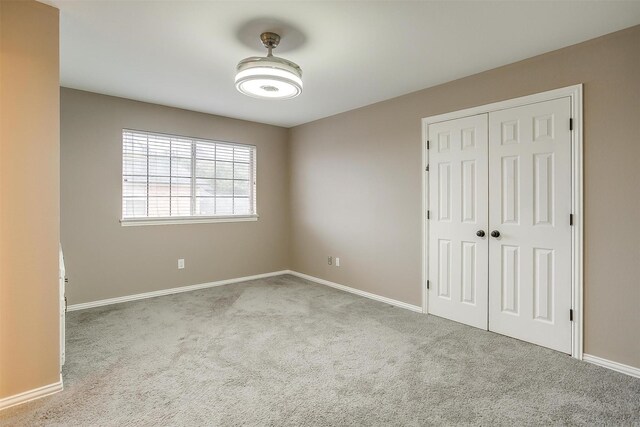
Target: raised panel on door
x=457, y=257
x=529, y=205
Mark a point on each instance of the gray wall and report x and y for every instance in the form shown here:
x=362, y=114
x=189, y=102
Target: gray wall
x=106, y=260
x=356, y=184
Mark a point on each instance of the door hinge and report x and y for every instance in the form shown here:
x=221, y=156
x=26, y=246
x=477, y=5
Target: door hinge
x=428, y=285
x=570, y=219
x=427, y=144
x=571, y=314
x=570, y=124
x=428, y=214
x=427, y=169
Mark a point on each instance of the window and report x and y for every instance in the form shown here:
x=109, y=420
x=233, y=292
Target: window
x=167, y=179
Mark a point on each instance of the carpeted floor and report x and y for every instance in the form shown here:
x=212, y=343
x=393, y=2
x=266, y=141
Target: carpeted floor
x=284, y=351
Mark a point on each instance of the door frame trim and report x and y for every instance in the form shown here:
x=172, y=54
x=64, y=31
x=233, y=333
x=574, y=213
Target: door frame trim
x=577, y=195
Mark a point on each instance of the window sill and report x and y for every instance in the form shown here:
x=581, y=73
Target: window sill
x=128, y=222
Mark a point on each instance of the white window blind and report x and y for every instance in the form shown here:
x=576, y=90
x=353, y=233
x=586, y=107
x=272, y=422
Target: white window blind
x=167, y=176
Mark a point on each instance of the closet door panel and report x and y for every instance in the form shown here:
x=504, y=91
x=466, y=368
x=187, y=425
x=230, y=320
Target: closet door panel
x=529, y=206
x=457, y=256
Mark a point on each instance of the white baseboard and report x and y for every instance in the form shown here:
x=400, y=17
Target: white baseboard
x=614, y=366
x=369, y=295
x=178, y=290
x=30, y=395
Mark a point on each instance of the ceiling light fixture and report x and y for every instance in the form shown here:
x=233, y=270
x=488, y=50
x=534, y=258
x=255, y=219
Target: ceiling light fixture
x=269, y=77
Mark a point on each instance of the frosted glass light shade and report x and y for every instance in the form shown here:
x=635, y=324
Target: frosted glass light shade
x=269, y=78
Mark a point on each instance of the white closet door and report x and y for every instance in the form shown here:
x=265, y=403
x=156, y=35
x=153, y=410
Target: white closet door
x=529, y=205
x=458, y=257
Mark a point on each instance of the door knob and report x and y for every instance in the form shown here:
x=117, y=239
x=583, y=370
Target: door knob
x=480, y=233
x=495, y=233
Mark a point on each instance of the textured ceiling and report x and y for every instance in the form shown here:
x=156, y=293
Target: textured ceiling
x=184, y=53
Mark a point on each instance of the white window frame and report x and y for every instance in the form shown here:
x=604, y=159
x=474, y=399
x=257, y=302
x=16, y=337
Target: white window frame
x=192, y=219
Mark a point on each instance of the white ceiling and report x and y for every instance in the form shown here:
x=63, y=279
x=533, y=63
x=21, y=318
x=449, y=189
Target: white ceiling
x=353, y=53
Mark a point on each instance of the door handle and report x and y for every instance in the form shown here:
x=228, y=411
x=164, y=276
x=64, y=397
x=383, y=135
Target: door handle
x=480, y=233
x=495, y=233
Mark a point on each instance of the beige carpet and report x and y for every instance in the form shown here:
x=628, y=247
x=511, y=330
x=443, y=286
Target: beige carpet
x=284, y=351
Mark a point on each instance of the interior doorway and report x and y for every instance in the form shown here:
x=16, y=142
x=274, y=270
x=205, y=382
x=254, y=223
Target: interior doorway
x=503, y=226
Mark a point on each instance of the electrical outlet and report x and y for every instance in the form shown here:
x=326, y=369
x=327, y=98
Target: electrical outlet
x=330, y=260
x=337, y=262
x=180, y=263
